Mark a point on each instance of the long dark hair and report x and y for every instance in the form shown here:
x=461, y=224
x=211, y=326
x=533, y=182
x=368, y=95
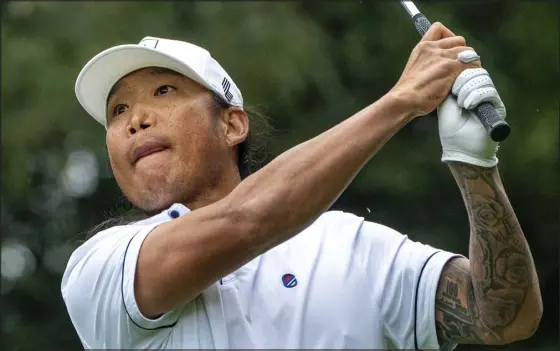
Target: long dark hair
x=251, y=155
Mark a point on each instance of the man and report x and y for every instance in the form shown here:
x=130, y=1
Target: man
x=226, y=262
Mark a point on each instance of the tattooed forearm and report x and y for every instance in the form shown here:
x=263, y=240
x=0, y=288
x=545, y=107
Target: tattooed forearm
x=488, y=298
x=457, y=313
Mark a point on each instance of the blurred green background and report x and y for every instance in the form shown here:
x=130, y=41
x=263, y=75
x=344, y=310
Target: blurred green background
x=309, y=65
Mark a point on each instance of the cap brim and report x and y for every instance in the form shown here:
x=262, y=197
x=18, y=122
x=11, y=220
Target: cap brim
x=101, y=73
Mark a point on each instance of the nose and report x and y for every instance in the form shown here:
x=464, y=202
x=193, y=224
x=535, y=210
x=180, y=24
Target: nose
x=142, y=118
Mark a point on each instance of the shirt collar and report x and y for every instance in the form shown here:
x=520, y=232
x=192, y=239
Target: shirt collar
x=175, y=211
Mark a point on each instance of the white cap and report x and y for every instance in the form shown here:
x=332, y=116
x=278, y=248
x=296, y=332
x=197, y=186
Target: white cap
x=102, y=72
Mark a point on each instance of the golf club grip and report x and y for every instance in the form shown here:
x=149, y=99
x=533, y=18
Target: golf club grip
x=421, y=23
x=495, y=125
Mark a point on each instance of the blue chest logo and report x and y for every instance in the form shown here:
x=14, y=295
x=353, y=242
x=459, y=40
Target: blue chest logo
x=289, y=280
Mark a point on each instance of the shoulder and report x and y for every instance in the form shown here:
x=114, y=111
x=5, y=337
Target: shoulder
x=328, y=227
x=92, y=288
x=101, y=247
x=337, y=221
x=351, y=236
x=345, y=225
x=341, y=218
x=336, y=226
x=113, y=242
x=108, y=238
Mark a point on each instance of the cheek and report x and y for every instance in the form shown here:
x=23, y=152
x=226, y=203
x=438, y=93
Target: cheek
x=117, y=155
x=191, y=144
x=193, y=130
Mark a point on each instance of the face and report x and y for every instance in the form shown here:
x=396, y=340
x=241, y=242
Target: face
x=165, y=142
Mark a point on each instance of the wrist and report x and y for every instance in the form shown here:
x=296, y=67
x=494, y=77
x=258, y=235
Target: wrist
x=466, y=170
x=449, y=156
x=470, y=176
x=399, y=102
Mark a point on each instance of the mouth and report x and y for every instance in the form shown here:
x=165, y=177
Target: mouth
x=147, y=149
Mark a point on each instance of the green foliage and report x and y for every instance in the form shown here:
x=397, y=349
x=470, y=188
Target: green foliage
x=311, y=65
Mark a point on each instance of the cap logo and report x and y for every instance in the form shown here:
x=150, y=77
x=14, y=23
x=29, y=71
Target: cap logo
x=289, y=280
x=150, y=43
x=226, y=85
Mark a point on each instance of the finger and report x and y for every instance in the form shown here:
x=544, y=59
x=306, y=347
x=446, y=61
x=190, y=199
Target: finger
x=466, y=65
x=469, y=75
x=437, y=31
x=476, y=84
x=451, y=42
x=453, y=53
x=488, y=94
x=455, y=67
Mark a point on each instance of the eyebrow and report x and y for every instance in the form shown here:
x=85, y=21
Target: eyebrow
x=156, y=71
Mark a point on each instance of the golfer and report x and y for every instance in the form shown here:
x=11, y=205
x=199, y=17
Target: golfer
x=226, y=259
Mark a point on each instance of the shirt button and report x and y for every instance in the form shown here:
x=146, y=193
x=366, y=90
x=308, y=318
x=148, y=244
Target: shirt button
x=174, y=214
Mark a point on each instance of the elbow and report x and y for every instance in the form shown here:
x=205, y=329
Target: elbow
x=531, y=325
x=528, y=326
x=537, y=311
x=526, y=331
x=515, y=334
x=523, y=327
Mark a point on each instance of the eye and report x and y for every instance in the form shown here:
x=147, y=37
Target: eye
x=164, y=89
x=120, y=108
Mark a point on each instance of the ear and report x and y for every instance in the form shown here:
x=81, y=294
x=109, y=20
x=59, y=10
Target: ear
x=236, y=126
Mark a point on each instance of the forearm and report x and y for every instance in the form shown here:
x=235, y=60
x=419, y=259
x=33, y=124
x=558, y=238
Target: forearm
x=504, y=280
x=297, y=186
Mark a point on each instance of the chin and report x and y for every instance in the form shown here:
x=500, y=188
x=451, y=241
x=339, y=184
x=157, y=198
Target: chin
x=154, y=203
x=158, y=187
x=158, y=196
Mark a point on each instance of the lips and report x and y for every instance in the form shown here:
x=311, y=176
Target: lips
x=147, y=149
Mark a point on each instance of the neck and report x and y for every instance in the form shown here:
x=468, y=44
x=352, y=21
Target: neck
x=217, y=192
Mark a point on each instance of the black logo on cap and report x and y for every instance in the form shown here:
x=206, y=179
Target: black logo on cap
x=226, y=84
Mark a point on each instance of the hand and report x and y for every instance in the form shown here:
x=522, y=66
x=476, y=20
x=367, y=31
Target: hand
x=431, y=70
x=463, y=137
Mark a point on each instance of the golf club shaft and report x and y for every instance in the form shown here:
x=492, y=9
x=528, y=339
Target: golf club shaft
x=498, y=129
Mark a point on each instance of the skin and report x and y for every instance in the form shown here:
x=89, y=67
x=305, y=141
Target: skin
x=198, y=168
x=492, y=298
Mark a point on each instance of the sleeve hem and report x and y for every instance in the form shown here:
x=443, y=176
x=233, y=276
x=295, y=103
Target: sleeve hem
x=427, y=289
x=130, y=260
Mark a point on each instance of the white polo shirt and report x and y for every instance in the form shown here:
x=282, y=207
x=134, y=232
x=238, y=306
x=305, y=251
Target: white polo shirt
x=341, y=283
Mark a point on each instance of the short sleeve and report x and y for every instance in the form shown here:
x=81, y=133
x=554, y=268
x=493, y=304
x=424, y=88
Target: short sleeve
x=98, y=289
x=406, y=277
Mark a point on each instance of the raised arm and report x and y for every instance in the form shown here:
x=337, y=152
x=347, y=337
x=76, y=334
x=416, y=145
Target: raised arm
x=493, y=297
x=181, y=258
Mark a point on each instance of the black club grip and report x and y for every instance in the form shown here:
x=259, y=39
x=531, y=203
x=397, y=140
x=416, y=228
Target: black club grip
x=495, y=125
x=421, y=23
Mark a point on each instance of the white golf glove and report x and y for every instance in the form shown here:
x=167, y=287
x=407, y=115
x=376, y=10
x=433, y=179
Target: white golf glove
x=463, y=137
